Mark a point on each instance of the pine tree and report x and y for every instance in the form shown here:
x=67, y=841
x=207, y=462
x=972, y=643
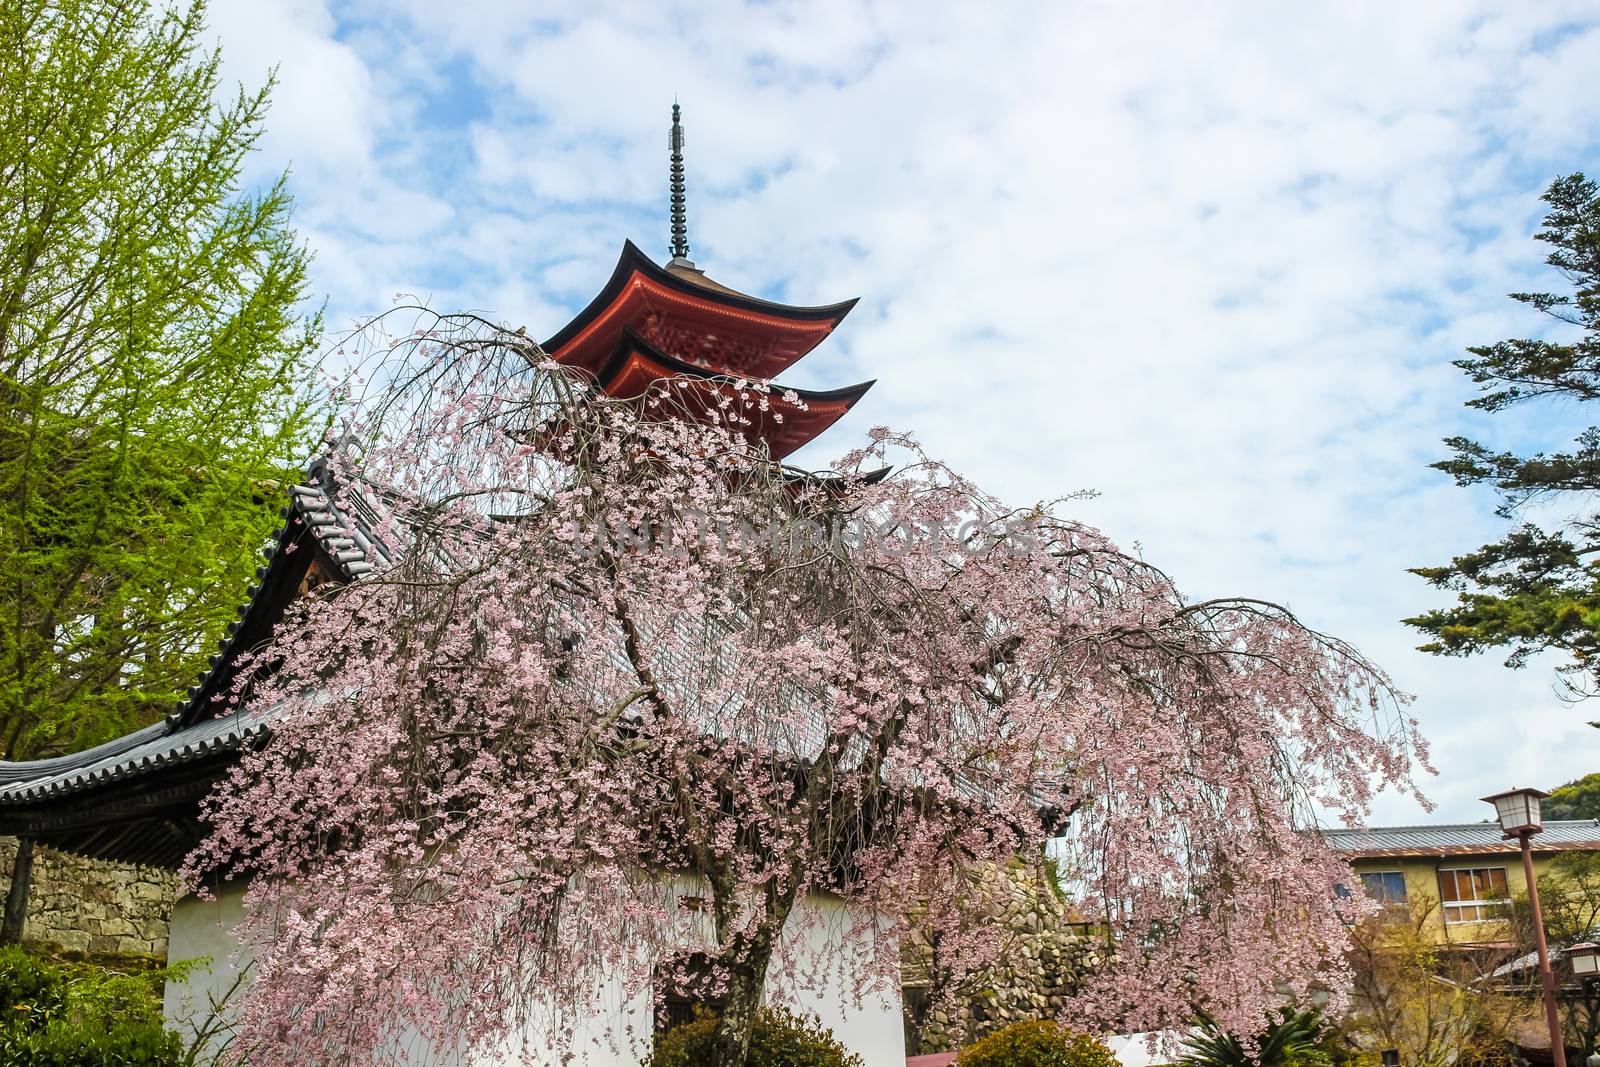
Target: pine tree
x=1538, y=587
x=153, y=368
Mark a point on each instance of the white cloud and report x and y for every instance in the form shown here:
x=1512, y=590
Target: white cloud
x=324, y=117
x=1213, y=262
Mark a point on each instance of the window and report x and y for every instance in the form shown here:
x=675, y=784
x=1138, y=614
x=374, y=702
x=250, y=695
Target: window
x=683, y=984
x=1475, y=895
x=1386, y=887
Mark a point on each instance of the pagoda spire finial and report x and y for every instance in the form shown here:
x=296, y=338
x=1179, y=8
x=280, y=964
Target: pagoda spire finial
x=680, y=223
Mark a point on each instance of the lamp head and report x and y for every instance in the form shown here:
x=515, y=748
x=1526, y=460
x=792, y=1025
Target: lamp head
x=1518, y=810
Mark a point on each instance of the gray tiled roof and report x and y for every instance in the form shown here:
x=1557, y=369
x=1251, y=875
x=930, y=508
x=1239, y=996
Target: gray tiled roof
x=347, y=541
x=1459, y=839
x=144, y=750
x=190, y=732
x=343, y=529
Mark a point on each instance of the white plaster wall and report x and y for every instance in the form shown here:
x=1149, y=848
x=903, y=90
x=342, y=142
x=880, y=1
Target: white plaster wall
x=614, y=1032
x=202, y=929
x=873, y=1029
x=1133, y=1050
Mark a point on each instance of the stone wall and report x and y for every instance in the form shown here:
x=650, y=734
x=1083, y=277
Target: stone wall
x=93, y=906
x=1045, y=955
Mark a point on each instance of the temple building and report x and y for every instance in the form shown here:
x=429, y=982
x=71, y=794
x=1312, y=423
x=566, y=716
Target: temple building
x=136, y=799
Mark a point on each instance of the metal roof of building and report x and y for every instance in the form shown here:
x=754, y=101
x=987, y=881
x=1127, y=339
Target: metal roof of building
x=1460, y=839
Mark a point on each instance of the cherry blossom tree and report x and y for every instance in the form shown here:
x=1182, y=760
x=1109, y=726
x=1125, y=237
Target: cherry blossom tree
x=616, y=657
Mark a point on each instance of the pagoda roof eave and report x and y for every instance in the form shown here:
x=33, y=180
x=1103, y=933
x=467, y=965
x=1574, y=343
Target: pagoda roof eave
x=785, y=425
x=830, y=481
x=633, y=261
x=631, y=342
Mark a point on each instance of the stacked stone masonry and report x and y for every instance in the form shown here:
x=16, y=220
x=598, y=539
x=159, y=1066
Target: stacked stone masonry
x=94, y=906
x=1045, y=957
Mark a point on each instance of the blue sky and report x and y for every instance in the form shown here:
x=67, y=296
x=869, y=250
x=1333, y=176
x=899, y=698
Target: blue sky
x=1212, y=262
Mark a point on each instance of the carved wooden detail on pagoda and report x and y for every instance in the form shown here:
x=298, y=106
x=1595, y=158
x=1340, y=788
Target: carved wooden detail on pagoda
x=726, y=351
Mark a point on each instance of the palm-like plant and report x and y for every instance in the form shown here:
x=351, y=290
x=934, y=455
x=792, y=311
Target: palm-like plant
x=1291, y=1039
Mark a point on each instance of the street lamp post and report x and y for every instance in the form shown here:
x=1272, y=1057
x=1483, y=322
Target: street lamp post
x=1518, y=812
x=1585, y=961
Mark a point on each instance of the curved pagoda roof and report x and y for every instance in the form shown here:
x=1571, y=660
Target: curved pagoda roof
x=686, y=315
x=785, y=424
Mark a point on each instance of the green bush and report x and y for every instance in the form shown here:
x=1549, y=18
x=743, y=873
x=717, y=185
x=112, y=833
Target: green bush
x=56, y=1014
x=1040, y=1044
x=780, y=1039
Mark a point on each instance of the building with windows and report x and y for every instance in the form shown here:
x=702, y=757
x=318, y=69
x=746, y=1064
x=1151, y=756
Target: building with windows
x=1468, y=872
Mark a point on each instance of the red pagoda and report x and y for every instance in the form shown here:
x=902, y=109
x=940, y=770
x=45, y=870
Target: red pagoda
x=652, y=323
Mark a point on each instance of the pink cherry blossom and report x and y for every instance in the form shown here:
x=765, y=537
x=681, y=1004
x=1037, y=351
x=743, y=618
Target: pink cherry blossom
x=613, y=643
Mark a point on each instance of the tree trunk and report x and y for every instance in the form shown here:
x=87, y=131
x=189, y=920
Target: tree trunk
x=17, y=897
x=748, y=978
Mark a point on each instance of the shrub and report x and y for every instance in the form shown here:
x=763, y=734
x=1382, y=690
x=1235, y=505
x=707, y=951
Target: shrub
x=55, y=1014
x=1290, y=1040
x=1037, y=1044
x=780, y=1038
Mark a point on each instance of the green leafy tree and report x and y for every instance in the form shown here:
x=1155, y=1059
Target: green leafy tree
x=1578, y=799
x=56, y=1014
x=1538, y=587
x=1432, y=1006
x=1569, y=897
x=153, y=368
